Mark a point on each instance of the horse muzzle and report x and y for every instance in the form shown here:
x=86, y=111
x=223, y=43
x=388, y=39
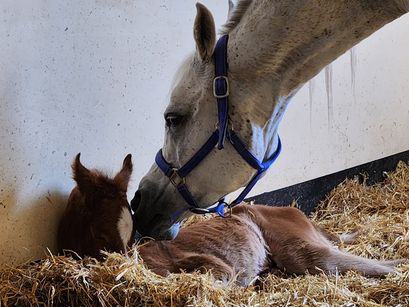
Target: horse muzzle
x=148, y=222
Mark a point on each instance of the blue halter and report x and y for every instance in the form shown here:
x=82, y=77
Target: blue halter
x=177, y=176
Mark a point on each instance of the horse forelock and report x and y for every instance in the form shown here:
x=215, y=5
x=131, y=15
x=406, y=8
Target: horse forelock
x=192, y=67
x=182, y=70
x=235, y=17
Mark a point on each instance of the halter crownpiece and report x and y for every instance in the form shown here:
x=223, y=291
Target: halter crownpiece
x=216, y=140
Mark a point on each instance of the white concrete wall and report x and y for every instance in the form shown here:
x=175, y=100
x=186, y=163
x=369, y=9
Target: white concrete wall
x=93, y=77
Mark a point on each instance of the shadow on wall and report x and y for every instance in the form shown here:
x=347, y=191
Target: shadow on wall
x=55, y=101
x=22, y=229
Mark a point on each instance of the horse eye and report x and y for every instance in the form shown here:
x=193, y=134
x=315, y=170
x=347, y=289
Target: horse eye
x=173, y=119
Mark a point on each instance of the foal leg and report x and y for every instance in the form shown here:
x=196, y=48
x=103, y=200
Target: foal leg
x=306, y=256
x=296, y=245
x=395, y=263
x=341, y=261
x=204, y=263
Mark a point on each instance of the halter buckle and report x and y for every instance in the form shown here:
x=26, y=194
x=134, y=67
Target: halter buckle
x=215, y=92
x=176, y=179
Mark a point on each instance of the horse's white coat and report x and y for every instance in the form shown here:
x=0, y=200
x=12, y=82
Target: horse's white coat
x=107, y=78
x=125, y=226
x=295, y=40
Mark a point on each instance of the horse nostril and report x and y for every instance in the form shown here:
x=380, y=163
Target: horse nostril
x=136, y=201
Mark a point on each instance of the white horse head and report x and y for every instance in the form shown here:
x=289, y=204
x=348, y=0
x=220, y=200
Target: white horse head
x=274, y=48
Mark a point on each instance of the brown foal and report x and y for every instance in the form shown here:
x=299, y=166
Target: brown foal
x=253, y=240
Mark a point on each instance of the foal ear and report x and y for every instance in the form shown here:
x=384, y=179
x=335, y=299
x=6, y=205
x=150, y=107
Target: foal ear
x=81, y=175
x=122, y=178
x=204, y=32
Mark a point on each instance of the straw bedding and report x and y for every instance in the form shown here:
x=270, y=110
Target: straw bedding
x=380, y=210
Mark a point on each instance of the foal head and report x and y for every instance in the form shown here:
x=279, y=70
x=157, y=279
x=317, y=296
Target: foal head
x=98, y=215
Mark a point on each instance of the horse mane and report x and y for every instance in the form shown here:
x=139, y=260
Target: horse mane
x=235, y=17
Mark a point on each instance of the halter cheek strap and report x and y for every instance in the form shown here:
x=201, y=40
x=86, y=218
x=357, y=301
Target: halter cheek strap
x=221, y=88
x=217, y=139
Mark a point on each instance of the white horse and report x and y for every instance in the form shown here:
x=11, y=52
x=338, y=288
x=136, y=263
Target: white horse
x=274, y=47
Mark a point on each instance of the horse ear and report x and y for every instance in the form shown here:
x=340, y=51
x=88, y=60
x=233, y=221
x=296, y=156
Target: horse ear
x=81, y=175
x=122, y=178
x=204, y=32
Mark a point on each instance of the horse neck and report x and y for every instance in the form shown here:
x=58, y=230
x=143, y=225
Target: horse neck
x=291, y=41
x=276, y=46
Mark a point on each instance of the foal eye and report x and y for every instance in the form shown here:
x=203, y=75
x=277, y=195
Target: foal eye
x=173, y=119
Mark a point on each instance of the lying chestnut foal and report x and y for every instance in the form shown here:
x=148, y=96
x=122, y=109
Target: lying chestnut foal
x=254, y=239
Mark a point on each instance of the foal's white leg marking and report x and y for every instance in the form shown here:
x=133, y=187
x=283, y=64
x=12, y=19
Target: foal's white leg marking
x=125, y=226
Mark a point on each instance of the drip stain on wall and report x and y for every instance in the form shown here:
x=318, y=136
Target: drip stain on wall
x=328, y=89
x=353, y=62
x=311, y=85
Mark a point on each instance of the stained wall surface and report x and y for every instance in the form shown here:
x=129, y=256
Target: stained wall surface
x=94, y=77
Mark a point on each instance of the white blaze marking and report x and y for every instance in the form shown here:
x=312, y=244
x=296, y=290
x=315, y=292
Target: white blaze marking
x=125, y=226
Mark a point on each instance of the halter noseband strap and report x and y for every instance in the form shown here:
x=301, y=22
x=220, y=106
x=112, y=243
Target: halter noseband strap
x=217, y=139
